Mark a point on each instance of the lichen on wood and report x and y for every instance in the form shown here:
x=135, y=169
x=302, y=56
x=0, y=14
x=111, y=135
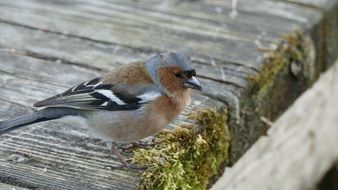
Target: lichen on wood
x=188, y=156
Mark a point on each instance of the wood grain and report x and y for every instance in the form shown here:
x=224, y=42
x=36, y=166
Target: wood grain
x=161, y=28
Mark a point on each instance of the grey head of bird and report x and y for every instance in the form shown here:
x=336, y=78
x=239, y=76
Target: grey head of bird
x=172, y=70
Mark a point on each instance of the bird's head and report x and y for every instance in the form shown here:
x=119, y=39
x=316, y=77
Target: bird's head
x=173, y=72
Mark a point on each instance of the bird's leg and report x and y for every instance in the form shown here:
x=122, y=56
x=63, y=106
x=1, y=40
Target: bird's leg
x=145, y=143
x=114, y=151
x=124, y=164
x=135, y=145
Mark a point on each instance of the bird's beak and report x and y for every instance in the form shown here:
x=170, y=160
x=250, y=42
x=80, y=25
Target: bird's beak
x=193, y=83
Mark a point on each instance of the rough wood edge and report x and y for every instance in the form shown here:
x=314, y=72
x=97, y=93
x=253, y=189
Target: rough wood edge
x=299, y=148
x=4, y=186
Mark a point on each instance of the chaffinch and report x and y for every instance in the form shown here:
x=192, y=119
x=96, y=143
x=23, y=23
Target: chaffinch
x=130, y=103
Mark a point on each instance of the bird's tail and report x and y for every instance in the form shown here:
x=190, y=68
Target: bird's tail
x=36, y=117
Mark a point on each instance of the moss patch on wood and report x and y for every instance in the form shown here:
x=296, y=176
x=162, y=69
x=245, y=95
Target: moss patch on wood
x=188, y=156
x=287, y=70
x=292, y=53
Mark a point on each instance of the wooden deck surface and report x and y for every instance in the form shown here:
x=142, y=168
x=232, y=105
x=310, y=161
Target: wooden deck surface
x=48, y=46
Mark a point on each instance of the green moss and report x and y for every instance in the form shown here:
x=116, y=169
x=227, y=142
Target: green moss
x=292, y=50
x=188, y=156
x=286, y=71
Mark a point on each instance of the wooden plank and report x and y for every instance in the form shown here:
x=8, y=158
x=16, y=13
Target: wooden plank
x=64, y=165
x=10, y=187
x=144, y=29
x=115, y=32
x=18, y=78
x=100, y=56
x=292, y=155
x=321, y=4
x=54, y=77
x=276, y=14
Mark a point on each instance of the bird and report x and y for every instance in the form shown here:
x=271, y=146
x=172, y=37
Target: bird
x=130, y=103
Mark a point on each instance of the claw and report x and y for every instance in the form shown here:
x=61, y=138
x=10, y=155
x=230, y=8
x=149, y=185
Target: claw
x=124, y=163
x=135, y=145
x=127, y=167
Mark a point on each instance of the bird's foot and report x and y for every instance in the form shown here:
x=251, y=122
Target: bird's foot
x=127, y=166
x=124, y=163
x=135, y=145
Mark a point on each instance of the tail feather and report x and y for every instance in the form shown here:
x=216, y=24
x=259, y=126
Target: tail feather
x=36, y=117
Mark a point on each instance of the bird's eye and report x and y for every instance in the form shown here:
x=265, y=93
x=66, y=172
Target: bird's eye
x=179, y=75
x=193, y=72
x=189, y=74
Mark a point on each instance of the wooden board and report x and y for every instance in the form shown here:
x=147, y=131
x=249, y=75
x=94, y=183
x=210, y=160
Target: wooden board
x=299, y=148
x=10, y=187
x=48, y=46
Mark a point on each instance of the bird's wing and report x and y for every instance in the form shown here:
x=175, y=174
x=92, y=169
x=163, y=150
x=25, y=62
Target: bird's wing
x=93, y=95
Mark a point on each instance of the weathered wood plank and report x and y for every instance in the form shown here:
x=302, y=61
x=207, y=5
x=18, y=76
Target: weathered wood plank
x=321, y=4
x=115, y=32
x=103, y=57
x=23, y=85
x=299, y=148
x=54, y=77
x=64, y=164
x=10, y=187
x=133, y=25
